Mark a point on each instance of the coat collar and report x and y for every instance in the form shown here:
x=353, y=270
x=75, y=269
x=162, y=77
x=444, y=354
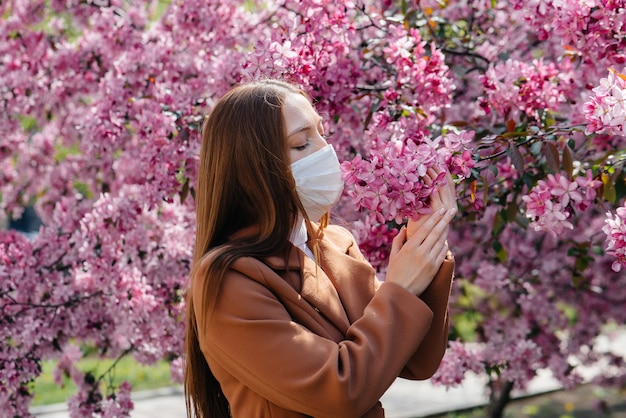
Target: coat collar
x=340, y=243
x=318, y=287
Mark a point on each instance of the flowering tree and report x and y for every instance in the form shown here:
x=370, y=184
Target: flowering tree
x=523, y=101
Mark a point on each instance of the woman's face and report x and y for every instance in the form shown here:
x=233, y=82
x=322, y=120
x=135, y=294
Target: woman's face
x=305, y=133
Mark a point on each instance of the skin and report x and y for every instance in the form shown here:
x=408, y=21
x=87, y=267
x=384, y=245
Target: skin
x=305, y=132
x=419, y=249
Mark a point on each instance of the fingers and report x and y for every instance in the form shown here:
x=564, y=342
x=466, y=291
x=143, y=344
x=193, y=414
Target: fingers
x=430, y=175
x=444, y=195
x=440, y=252
x=430, y=224
x=436, y=201
x=398, y=242
x=420, y=234
x=439, y=231
x=437, y=253
x=450, y=187
x=447, y=193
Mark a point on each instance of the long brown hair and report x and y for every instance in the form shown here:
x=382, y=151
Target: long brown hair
x=244, y=180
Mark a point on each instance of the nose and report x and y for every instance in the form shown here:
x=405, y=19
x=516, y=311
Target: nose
x=319, y=141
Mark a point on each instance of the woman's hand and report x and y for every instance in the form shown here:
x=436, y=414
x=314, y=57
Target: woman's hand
x=444, y=197
x=414, y=261
x=419, y=249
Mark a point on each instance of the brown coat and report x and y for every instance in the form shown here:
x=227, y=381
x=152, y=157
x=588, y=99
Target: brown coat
x=321, y=342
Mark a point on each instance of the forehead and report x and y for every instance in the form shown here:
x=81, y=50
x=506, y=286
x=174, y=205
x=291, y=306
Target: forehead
x=298, y=111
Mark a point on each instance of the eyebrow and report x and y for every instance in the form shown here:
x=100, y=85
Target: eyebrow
x=298, y=130
x=304, y=127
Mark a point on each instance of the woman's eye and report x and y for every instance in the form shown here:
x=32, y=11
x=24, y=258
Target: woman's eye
x=302, y=147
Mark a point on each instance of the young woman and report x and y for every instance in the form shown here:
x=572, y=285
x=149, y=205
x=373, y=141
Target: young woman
x=285, y=316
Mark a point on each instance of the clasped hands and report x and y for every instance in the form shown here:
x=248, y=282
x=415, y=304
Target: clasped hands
x=419, y=249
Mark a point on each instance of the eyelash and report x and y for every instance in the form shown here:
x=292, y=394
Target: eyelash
x=308, y=141
x=302, y=147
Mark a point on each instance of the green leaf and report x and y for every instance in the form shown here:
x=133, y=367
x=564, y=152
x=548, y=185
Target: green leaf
x=184, y=190
x=549, y=119
x=573, y=251
x=62, y=152
x=516, y=158
x=512, y=210
x=571, y=143
x=568, y=161
x=535, y=148
x=514, y=134
x=609, y=188
x=552, y=156
x=500, y=251
x=620, y=186
x=498, y=224
x=581, y=264
x=29, y=123
x=528, y=179
x=83, y=189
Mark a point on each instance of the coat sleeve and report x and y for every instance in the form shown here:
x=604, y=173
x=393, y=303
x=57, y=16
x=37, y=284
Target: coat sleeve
x=425, y=361
x=252, y=336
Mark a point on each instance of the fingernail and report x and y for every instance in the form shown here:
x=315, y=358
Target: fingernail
x=441, y=211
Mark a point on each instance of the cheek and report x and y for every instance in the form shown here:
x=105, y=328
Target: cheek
x=295, y=155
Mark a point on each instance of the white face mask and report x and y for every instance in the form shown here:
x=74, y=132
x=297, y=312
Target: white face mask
x=318, y=181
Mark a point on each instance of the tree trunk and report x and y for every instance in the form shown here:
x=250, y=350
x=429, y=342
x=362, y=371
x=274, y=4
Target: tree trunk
x=499, y=400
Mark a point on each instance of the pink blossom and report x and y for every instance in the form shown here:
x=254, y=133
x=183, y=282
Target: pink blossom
x=589, y=188
x=615, y=230
x=102, y=109
x=514, y=87
x=548, y=202
x=458, y=360
x=564, y=189
x=119, y=404
x=606, y=111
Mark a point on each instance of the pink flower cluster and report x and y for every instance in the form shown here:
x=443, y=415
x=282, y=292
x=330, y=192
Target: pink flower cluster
x=615, y=230
x=375, y=240
x=315, y=48
x=422, y=80
x=520, y=302
x=591, y=30
x=551, y=202
x=94, y=284
x=606, y=111
x=389, y=184
x=515, y=87
x=454, y=149
x=458, y=360
x=102, y=103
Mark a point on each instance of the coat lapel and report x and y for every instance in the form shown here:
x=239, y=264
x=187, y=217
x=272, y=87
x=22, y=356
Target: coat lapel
x=341, y=287
x=314, y=287
x=319, y=291
x=353, y=277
